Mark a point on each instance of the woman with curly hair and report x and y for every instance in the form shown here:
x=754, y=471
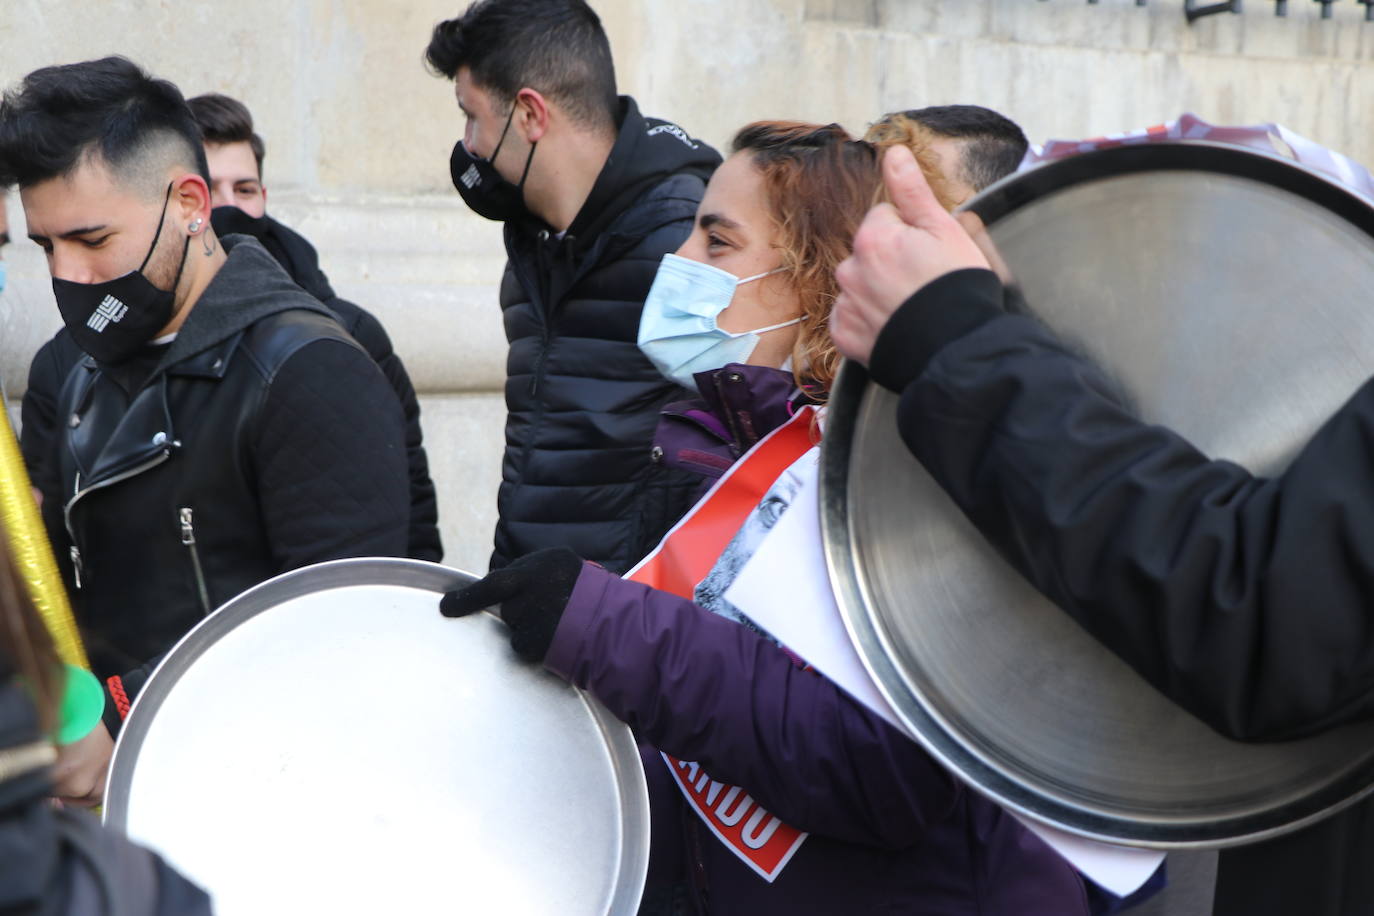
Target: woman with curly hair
x=757, y=748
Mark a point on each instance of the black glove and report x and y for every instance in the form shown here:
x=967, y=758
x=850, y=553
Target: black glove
x=533, y=593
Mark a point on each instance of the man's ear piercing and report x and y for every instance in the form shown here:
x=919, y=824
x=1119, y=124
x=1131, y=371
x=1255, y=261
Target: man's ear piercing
x=195, y=225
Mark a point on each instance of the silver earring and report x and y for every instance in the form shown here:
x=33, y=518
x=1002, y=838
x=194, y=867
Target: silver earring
x=195, y=225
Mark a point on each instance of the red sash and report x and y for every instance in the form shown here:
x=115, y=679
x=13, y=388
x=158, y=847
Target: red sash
x=684, y=558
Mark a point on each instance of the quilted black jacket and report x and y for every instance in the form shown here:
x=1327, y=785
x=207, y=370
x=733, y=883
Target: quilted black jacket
x=582, y=400
x=264, y=440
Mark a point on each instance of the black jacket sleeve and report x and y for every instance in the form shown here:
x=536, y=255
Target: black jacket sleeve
x=1244, y=599
x=330, y=459
x=39, y=438
x=38, y=435
x=424, y=509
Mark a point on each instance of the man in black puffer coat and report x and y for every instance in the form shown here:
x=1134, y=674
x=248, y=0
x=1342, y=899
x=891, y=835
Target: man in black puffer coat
x=593, y=194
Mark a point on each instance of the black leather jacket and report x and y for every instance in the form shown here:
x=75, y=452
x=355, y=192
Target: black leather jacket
x=265, y=440
x=55, y=360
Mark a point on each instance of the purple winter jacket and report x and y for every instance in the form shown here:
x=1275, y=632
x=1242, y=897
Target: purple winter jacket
x=891, y=831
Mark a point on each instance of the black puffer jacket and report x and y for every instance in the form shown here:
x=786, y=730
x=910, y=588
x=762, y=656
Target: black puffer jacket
x=583, y=401
x=55, y=359
x=265, y=439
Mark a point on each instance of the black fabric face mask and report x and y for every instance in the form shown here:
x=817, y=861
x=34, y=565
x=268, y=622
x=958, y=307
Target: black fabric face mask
x=230, y=220
x=482, y=188
x=113, y=320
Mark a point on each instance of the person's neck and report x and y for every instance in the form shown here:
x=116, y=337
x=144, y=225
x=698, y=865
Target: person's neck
x=774, y=347
x=204, y=259
x=561, y=183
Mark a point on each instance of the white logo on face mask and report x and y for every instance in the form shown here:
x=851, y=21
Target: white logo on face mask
x=109, y=310
x=470, y=177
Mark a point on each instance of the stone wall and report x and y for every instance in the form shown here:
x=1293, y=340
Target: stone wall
x=359, y=133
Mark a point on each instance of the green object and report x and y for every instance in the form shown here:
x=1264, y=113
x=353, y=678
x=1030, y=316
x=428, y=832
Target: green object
x=83, y=703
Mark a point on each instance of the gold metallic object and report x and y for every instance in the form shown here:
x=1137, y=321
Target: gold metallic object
x=28, y=543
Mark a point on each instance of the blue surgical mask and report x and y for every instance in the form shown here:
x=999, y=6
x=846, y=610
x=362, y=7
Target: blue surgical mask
x=2, y=276
x=678, y=330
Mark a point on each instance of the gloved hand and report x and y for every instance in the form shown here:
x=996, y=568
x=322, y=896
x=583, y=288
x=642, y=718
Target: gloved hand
x=533, y=592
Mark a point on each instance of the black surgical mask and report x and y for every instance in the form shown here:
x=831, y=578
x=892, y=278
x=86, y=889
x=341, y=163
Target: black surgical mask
x=483, y=189
x=113, y=320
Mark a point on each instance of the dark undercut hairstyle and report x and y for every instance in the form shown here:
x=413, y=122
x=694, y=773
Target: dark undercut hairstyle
x=555, y=47
x=108, y=108
x=225, y=120
x=993, y=144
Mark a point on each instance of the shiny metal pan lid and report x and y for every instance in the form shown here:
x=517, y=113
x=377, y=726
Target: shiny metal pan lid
x=328, y=743
x=1229, y=293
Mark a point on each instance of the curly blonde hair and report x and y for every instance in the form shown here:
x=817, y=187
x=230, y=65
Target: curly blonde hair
x=819, y=183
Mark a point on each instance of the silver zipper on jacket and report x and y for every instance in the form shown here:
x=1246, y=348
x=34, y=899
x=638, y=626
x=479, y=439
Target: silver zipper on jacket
x=78, y=493
x=188, y=538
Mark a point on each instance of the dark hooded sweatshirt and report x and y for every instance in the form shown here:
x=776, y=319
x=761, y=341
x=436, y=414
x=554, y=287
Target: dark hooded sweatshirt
x=582, y=400
x=263, y=439
x=55, y=359
x=301, y=261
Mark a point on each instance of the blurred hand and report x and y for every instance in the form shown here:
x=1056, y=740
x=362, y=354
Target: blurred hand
x=82, y=767
x=899, y=248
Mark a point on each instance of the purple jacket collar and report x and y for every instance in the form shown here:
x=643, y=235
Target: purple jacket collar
x=740, y=404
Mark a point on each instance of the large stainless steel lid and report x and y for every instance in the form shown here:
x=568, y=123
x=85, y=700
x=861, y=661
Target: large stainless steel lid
x=1229, y=292
x=328, y=743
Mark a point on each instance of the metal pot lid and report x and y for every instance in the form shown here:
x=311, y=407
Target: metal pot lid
x=328, y=743
x=1227, y=291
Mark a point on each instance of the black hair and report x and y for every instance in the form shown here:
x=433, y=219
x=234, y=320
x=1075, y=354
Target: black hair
x=225, y=120
x=57, y=115
x=556, y=47
x=994, y=145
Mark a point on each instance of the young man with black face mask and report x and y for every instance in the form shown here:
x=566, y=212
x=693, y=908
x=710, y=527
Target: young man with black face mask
x=222, y=428
x=234, y=153
x=592, y=194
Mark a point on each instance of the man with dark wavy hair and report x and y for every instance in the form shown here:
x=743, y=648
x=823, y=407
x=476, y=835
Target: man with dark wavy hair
x=235, y=153
x=221, y=427
x=592, y=194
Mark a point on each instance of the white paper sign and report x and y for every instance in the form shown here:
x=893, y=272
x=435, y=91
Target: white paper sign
x=784, y=589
